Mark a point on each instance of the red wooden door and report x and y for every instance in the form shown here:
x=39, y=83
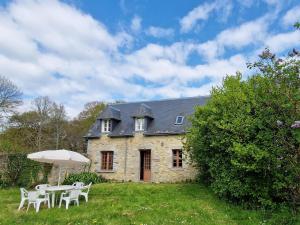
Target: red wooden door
x=146, y=165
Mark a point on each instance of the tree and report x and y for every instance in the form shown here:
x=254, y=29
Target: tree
x=42, y=106
x=22, y=132
x=58, y=120
x=10, y=96
x=242, y=140
x=77, y=128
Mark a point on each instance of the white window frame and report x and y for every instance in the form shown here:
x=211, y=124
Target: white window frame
x=106, y=126
x=139, y=124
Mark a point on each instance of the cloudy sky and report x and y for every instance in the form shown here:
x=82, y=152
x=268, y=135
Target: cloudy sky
x=76, y=51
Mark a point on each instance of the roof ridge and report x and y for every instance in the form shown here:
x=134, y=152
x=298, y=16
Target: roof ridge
x=145, y=105
x=159, y=100
x=111, y=106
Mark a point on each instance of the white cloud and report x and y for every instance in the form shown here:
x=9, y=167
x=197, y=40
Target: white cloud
x=292, y=16
x=160, y=32
x=283, y=41
x=136, y=23
x=248, y=33
x=51, y=48
x=40, y=39
x=246, y=3
x=225, y=9
x=199, y=13
x=210, y=50
x=202, y=12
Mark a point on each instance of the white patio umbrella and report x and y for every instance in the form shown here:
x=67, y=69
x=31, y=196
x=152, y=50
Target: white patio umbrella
x=59, y=157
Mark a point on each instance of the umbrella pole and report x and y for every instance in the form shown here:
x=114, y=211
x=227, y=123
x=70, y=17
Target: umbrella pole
x=59, y=175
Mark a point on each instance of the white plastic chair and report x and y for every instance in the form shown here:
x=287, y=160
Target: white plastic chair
x=78, y=184
x=86, y=193
x=33, y=198
x=24, y=197
x=68, y=197
x=41, y=188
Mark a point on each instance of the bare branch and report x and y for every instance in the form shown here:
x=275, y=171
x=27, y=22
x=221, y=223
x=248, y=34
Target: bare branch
x=10, y=96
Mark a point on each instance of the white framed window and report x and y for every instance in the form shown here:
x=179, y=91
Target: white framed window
x=139, y=124
x=106, y=125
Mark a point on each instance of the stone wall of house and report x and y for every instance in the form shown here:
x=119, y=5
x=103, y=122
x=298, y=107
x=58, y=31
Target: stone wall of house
x=126, y=157
x=64, y=172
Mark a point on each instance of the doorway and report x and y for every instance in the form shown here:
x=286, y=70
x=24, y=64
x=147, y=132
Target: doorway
x=145, y=167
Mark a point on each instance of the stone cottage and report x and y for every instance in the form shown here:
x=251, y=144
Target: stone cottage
x=142, y=141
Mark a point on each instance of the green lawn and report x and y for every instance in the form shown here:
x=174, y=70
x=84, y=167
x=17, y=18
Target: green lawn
x=130, y=203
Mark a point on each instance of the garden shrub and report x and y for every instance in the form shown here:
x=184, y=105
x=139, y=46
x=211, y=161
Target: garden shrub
x=21, y=171
x=242, y=140
x=85, y=177
x=4, y=183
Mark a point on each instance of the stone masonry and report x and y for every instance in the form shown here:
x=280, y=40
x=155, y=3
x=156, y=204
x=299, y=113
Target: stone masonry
x=126, y=157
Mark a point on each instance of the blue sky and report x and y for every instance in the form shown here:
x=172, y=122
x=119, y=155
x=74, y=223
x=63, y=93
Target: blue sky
x=77, y=51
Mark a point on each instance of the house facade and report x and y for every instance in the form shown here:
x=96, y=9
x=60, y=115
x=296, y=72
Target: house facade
x=143, y=141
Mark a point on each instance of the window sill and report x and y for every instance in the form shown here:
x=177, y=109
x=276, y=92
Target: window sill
x=177, y=168
x=106, y=171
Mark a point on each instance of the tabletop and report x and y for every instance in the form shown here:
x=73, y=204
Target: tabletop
x=59, y=188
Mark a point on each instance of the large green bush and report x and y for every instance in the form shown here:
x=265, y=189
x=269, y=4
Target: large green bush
x=4, y=183
x=242, y=140
x=85, y=177
x=22, y=172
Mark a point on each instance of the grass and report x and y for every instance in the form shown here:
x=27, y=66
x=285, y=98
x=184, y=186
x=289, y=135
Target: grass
x=131, y=203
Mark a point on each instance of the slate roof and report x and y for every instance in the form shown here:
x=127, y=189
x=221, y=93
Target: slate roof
x=143, y=111
x=110, y=112
x=163, y=116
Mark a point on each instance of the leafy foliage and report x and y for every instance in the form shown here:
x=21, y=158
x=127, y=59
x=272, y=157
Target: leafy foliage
x=85, y=177
x=21, y=171
x=78, y=127
x=4, y=183
x=242, y=140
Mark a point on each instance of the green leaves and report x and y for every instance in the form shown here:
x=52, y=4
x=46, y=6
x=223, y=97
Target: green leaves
x=248, y=157
x=85, y=177
x=237, y=142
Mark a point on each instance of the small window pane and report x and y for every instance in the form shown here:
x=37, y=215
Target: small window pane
x=179, y=120
x=106, y=125
x=139, y=124
x=177, y=158
x=107, y=160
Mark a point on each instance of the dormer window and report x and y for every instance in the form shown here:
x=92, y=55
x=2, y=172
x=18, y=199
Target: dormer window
x=106, y=125
x=179, y=120
x=139, y=124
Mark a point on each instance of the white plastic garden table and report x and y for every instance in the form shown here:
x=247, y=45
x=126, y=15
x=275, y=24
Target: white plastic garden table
x=53, y=189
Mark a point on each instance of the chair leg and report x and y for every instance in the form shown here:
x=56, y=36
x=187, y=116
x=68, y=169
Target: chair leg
x=28, y=206
x=21, y=204
x=77, y=201
x=60, y=201
x=37, y=208
x=48, y=200
x=86, y=198
x=67, y=204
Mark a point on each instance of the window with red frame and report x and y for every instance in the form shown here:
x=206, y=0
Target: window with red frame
x=177, y=158
x=107, y=160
